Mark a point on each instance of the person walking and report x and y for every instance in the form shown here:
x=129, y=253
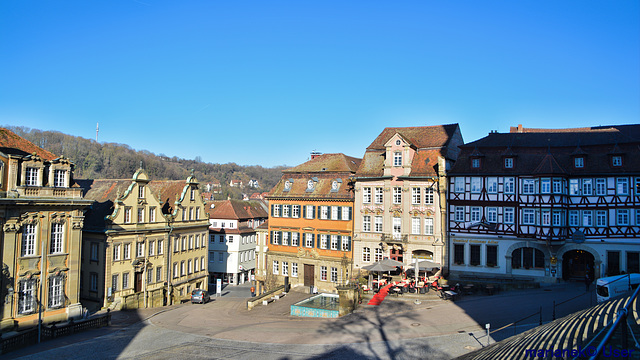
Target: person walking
x=253, y=291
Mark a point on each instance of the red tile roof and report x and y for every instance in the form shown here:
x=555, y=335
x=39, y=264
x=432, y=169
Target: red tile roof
x=419, y=136
x=236, y=210
x=10, y=142
x=327, y=163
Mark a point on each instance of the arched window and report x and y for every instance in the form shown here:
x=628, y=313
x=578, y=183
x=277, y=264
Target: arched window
x=527, y=258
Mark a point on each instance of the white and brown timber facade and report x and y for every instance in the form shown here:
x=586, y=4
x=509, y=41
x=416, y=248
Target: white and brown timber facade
x=547, y=204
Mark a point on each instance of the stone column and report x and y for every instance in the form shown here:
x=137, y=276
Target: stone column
x=348, y=299
x=10, y=251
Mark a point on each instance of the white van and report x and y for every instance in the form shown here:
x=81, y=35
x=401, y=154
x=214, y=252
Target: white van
x=614, y=286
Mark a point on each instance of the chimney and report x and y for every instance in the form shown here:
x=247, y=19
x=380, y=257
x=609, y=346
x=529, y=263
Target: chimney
x=315, y=154
x=520, y=128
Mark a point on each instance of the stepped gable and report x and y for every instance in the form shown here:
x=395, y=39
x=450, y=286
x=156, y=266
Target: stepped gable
x=580, y=329
x=12, y=144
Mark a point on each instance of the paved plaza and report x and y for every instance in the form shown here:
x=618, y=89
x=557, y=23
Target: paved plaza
x=400, y=328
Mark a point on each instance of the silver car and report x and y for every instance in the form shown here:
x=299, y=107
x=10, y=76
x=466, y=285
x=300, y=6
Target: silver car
x=200, y=296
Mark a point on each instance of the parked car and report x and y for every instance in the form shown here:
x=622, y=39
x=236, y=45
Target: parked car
x=200, y=296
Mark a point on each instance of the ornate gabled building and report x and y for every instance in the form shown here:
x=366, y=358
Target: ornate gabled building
x=400, y=195
x=153, y=235
x=232, y=239
x=41, y=214
x=311, y=224
x=547, y=204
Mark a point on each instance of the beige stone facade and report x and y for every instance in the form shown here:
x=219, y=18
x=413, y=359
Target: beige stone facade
x=41, y=211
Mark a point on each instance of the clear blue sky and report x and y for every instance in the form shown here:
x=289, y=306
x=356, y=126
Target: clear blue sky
x=266, y=82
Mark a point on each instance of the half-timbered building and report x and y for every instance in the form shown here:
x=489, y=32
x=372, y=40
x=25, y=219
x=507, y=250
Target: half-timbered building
x=400, y=194
x=547, y=204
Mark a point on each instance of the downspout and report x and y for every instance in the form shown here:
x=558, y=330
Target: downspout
x=168, y=265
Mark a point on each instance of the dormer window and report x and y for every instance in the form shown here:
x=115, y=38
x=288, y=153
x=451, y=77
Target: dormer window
x=616, y=160
x=475, y=163
x=31, y=177
x=60, y=178
x=578, y=162
x=397, y=158
x=508, y=163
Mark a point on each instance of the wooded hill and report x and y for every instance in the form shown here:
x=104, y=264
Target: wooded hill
x=95, y=160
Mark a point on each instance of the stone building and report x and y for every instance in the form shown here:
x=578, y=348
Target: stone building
x=41, y=215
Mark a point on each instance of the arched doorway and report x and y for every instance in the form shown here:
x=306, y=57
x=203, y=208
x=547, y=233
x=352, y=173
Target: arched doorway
x=576, y=264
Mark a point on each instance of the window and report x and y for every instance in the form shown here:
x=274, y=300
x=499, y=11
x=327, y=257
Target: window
x=125, y=281
x=189, y=266
x=116, y=252
x=366, y=195
x=275, y=237
x=379, y=196
x=175, y=270
x=492, y=255
x=415, y=196
x=616, y=160
x=557, y=186
x=295, y=241
x=220, y=257
x=458, y=254
x=309, y=211
x=230, y=239
x=475, y=255
x=458, y=214
x=346, y=213
x=509, y=185
x=509, y=215
x=140, y=249
x=294, y=269
x=127, y=215
x=152, y=214
x=492, y=214
x=27, y=299
x=476, y=184
x=587, y=187
x=190, y=242
x=191, y=214
x=377, y=224
x=158, y=273
x=397, y=227
x=527, y=258
x=428, y=226
x=528, y=217
x=275, y=211
x=334, y=242
x=285, y=268
x=308, y=240
x=324, y=241
x=558, y=217
x=492, y=185
x=295, y=211
x=323, y=273
x=366, y=254
x=397, y=195
x=114, y=283
x=458, y=185
x=285, y=238
x=378, y=255
x=29, y=240
x=198, y=241
x=574, y=187
x=346, y=243
x=545, y=186
x=140, y=215
x=366, y=223
x=601, y=187
x=428, y=196
x=546, y=218
x=475, y=214
x=276, y=267
x=141, y=191
x=56, y=238
x=508, y=163
x=334, y=274
x=93, y=282
x=59, y=178
x=475, y=163
x=601, y=218
x=622, y=186
x=633, y=262
x=623, y=216
x=193, y=194
x=574, y=218
x=285, y=210
x=397, y=158
x=335, y=213
x=31, y=177
x=95, y=248
x=587, y=218
x=415, y=226
x=528, y=186
x=578, y=162
x=198, y=213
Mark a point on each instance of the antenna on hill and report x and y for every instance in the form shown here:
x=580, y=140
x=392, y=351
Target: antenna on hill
x=97, y=128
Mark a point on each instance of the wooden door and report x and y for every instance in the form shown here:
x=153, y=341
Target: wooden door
x=138, y=283
x=309, y=274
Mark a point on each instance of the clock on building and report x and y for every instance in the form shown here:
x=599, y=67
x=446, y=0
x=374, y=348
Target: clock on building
x=310, y=184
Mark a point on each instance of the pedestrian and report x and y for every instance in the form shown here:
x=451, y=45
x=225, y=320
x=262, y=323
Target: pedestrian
x=587, y=282
x=253, y=291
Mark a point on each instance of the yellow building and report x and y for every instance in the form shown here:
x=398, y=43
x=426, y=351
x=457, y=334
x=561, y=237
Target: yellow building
x=41, y=215
x=153, y=235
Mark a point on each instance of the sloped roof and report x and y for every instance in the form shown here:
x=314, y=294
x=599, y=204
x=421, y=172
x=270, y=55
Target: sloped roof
x=236, y=210
x=11, y=143
x=327, y=163
x=419, y=136
x=549, y=165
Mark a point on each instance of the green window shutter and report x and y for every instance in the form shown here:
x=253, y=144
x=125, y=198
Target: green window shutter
x=348, y=243
x=313, y=211
x=272, y=206
x=319, y=210
x=280, y=237
x=304, y=211
x=271, y=236
x=350, y=214
x=318, y=243
x=313, y=238
x=339, y=212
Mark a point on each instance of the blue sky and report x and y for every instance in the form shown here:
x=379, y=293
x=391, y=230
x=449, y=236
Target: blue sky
x=266, y=82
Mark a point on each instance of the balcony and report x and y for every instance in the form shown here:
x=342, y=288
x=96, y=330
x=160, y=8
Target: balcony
x=49, y=192
x=394, y=238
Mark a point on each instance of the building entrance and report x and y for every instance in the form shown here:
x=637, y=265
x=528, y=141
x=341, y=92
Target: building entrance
x=396, y=254
x=576, y=264
x=309, y=273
